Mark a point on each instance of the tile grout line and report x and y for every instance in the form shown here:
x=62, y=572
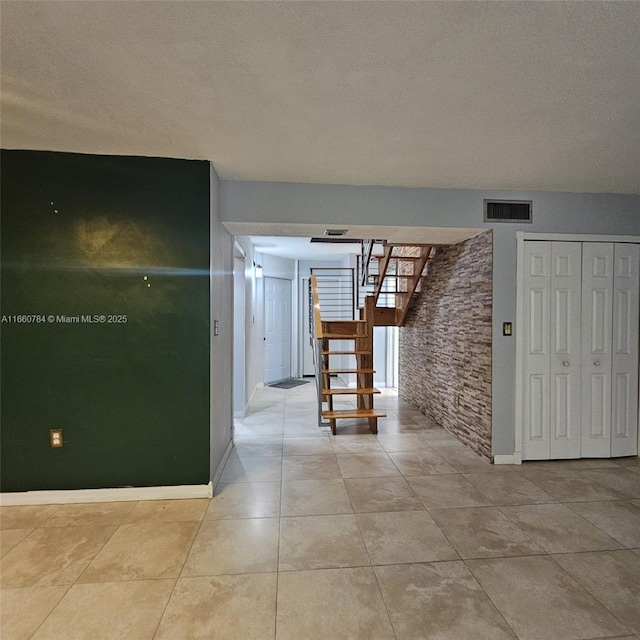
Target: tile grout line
x=175, y=584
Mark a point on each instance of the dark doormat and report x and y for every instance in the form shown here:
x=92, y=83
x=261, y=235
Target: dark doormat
x=287, y=384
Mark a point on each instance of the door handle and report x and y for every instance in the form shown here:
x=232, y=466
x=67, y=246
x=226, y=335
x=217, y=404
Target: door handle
x=565, y=363
x=597, y=363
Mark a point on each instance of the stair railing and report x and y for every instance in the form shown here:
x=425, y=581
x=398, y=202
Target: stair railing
x=337, y=292
x=316, y=338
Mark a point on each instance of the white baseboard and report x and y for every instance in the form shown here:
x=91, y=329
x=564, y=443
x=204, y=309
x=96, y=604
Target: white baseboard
x=513, y=458
x=223, y=462
x=120, y=494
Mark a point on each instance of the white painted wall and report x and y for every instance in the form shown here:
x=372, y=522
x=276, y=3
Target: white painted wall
x=253, y=320
x=221, y=359
x=348, y=206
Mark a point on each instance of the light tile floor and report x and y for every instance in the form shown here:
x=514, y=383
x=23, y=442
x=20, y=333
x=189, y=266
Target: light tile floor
x=406, y=535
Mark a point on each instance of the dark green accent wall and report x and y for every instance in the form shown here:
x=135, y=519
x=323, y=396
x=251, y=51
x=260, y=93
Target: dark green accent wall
x=79, y=235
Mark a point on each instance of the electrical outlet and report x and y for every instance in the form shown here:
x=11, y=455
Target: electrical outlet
x=456, y=399
x=55, y=438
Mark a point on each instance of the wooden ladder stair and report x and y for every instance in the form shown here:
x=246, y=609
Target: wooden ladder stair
x=407, y=271
x=361, y=333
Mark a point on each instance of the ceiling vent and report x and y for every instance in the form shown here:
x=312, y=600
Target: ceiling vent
x=507, y=210
x=334, y=233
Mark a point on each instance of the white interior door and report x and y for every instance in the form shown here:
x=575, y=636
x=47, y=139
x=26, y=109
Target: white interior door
x=536, y=342
x=597, y=316
x=277, y=321
x=564, y=379
x=624, y=369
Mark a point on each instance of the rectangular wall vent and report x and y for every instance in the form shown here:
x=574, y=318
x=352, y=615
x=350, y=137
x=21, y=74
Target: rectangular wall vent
x=507, y=210
x=334, y=232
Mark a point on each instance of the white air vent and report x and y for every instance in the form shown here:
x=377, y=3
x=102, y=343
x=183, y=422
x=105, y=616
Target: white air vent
x=507, y=210
x=333, y=233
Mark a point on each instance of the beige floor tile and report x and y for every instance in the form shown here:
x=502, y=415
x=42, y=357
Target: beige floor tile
x=257, y=447
x=447, y=491
x=169, y=510
x=439, y=436
x=540, y=601
x=308, y=429
x=310, y=468
x=421, y=463
x=307, y=446
x=568, y=486
x=613, y=577
x=392, y=443
x=52, y=556
x=621, y=481
x=241, y=607
x=631, y=461
x=569, y=465
x=23, y=610
x=365, y=443
x=442, y=442
x=266, y=416
x=111, y=610
x=26, y=517
x=259, y=469
x=467, y=461
x=259, y=430
x=315, y=497
x=483, y=533
x=366, y=465
x=508, y=489
x=321, y=542
x=621, y=520
x=245, y=500
x=331, y=604
x=403, y=537
x=142, y=551
x=381, y=494
x=9, y=538
x=234, y=546
x=557, y=529
x=439, y=601
x=91, y=514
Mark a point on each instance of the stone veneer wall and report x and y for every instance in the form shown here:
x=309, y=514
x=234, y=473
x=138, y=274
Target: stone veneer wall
x=445, y=345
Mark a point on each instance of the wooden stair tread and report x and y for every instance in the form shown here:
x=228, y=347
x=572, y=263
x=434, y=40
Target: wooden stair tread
x=409, y=276
x=341, y=336
x=350, y=391
x=353, y=413
x=330, y=371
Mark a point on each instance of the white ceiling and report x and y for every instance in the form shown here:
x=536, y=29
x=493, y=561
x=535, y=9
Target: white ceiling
x=302, y=248
x=491, y=95
x=293, y=240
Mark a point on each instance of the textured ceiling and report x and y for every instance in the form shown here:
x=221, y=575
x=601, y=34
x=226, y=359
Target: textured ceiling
x=490, y=95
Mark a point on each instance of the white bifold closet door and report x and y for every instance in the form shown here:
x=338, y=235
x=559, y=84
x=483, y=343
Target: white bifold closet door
x=580, y=339
x=552, y=350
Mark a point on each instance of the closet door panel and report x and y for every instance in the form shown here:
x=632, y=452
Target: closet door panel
x=537, y=354
x=597, y=317
x=565, y=339
x=624, y=402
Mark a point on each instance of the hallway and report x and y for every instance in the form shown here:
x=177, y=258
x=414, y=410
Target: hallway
x=405, y=535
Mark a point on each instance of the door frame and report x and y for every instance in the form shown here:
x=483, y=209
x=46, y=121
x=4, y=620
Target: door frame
x=521, y=238
x=290, y=320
